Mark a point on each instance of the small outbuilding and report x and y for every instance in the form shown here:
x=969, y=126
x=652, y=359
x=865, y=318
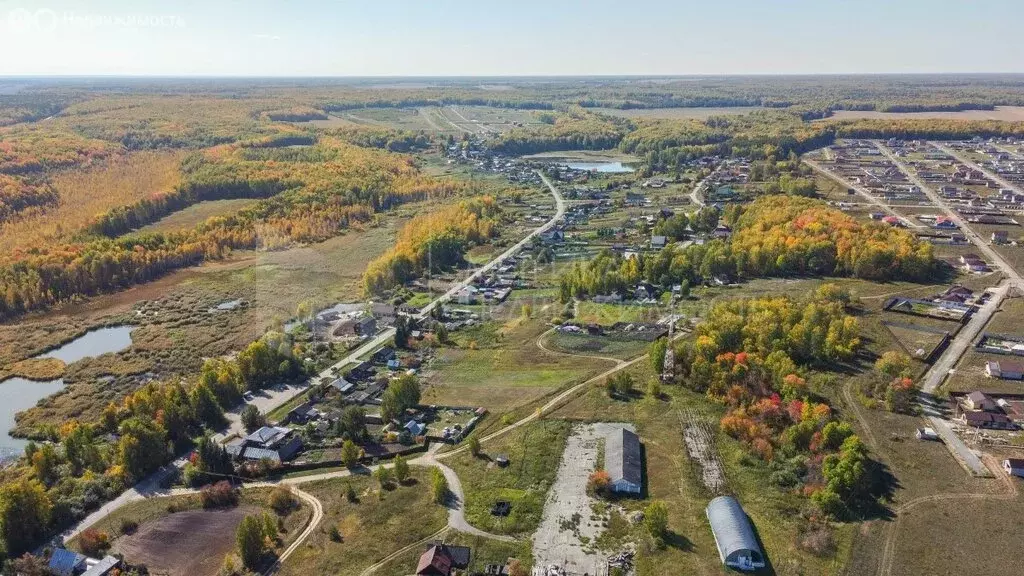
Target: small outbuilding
x=622, y=461
x=734, y=535
x=1014, y=466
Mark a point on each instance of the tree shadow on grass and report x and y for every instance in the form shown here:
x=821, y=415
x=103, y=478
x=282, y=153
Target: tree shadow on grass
x=678, y=541
x=882, y=489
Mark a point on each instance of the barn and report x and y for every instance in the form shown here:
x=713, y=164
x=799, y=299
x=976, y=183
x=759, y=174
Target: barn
x=734, y=535
x=622, y=462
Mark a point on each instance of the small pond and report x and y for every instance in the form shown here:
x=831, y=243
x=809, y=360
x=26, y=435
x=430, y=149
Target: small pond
x=93, y=343
x=20, y=394
x=604, y=167
x=17, y=394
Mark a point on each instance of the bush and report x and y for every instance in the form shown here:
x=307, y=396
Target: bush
x=252, y=419
x=656, y=521
x=438, y=486
x=129, y=526
x=598, y=483
x=94, y=542
x=219, y=495
x=282, y=500
x=334, y=534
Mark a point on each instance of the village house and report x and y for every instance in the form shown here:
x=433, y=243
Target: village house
x=1005, y=369
x=383, y=355
x=274, y=443
x=956, y=294
x=980, y=401
x=990, y=420
x=342, y=385
x=441, y=559
x=635, y=199
x=384, y=313
x=658, y=242
x=973, y=263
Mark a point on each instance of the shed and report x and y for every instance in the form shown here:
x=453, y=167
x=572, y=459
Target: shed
x=734, y=534
x=1014, y=466
x=103, y=567
x=64, y=562
x=622, y=461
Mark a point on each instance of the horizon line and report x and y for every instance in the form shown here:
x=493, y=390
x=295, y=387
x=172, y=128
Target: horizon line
x=495, y=76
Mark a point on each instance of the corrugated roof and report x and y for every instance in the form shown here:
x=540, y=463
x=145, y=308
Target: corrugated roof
x=731, y=527
x=65, y=561
x=103, y=567
x=622, y=457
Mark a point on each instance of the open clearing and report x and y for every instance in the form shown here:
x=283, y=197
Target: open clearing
x=695, y=113
x=1005, y=113
x=371, y=528
x=191, y=543
x=188, y=218
x=533, y=452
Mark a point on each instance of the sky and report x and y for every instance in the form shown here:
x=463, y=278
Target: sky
x=510, y=38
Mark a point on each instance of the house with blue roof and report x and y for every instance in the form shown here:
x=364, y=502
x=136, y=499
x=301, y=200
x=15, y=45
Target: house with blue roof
x=64, y=562
x=415, y=428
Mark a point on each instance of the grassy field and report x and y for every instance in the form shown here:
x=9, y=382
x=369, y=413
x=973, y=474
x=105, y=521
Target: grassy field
x=533, y=451
x=916, y=342
x=506, y=370
x=188, y=218
x=945, y=537
x=595, y=345
x=1005, y=113
x=371, y=528
x=673, y=479
x=607, y=314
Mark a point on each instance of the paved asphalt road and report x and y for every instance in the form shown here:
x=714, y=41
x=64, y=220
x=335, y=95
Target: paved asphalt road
x=941, y=368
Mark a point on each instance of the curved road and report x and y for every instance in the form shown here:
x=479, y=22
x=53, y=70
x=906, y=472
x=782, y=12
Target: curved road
x=150, y=486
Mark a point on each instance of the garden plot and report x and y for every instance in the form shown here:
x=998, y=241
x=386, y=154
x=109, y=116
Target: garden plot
x=699, y=437
x=918, y=341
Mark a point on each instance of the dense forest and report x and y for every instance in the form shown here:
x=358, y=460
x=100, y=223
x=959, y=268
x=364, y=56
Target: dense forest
x=574, y=130
x=751, y=355
x=433, y=242
x=18, y=194
x=776, y=235
x=322, y=191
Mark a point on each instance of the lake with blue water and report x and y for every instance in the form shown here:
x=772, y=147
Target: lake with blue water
x=18, y=394
x=603, y=167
